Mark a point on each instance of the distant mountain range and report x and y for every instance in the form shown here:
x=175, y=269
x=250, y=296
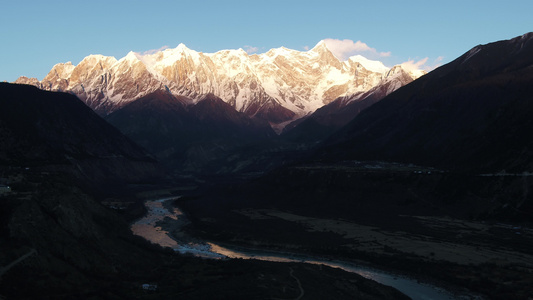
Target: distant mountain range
x=278, y=86
x=191, y=107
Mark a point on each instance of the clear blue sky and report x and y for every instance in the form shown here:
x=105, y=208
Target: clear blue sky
x=35, y=35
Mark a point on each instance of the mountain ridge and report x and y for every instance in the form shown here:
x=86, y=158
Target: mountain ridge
x=334, y=115
x=471, y=113
x=188, y=137
x=278, y=86
x=58, y=133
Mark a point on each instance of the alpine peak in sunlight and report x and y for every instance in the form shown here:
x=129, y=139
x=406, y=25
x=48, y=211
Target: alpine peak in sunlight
x=278, y=86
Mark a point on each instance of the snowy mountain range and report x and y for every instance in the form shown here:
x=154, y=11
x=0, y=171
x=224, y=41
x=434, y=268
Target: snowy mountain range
x=279, y=86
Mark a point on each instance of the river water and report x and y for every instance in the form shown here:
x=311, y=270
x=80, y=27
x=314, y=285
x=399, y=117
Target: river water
x=148, y=228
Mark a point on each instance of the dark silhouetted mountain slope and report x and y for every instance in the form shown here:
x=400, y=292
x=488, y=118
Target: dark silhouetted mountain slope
x=194, y=138
x=474, y=113
x=218, y=119
x=331, y=117
x=157, y=122
x=59, y=132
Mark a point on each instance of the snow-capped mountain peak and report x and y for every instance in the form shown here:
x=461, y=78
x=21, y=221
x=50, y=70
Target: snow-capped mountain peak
x=98, y=58
x=131, y=57
x=62, y=70
x=320, y=46
x=182, y=48
x=279, y=85
x=371, y=65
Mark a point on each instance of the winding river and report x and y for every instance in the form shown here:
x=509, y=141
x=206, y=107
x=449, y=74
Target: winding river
x=148, y=228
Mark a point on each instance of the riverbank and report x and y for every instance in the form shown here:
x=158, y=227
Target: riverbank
x=371, y=269
x=86, y=251
x=173, y=223
x=485, y=258
x=446, y=227
x=162, y=218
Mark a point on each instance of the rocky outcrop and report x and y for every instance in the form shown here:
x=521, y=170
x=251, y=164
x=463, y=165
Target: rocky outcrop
x=29, y=81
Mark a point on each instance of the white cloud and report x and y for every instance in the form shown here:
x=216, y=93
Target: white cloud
x=152, y=51
x=250, y=49
x=343, y=49
x=436, y=63
x=306, y=48
x=412, y=65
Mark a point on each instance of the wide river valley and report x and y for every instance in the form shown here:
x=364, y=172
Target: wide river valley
x=149, y=228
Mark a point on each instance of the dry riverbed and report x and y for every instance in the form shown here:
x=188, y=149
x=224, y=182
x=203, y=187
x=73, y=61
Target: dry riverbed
x=461, y=247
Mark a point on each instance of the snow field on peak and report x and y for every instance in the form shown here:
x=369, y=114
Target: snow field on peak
x=298, y=81
x=370, y=65
x=63, y=70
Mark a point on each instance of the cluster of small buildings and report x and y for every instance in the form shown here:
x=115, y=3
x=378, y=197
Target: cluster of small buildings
x=4, y=187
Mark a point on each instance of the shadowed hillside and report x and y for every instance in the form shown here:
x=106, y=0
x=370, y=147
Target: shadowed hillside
x=471, y=114
x=58, y=132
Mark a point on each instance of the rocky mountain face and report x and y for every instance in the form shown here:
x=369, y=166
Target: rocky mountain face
x=57, y=132
x=473, y=113
x=278, y=86
x=331, y=117
x=203, y=112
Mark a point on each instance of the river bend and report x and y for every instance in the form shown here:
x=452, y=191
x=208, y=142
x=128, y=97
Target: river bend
x=148, y=228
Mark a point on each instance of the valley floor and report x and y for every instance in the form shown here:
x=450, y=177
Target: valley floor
x=489, y=257
x=63, y=244
x=463, y=256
